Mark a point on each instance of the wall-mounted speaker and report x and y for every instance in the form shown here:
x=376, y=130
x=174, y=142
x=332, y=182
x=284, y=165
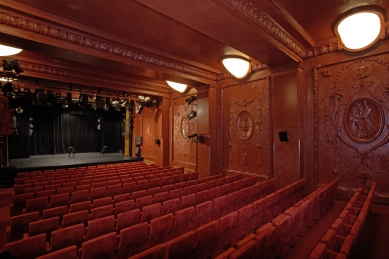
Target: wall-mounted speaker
x=137, y=151
x=138, y=140
x=157, y=141
x=200, y=138
x=283, y=136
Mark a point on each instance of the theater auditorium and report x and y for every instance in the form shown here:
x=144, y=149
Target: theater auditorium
x=194, y=129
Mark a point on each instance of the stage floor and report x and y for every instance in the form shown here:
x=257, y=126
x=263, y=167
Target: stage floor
x=45, y=162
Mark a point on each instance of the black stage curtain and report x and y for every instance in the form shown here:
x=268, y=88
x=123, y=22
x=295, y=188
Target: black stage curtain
x=55, y=129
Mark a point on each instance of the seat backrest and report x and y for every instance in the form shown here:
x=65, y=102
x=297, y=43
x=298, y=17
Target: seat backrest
x=133, y=240
x=75, y=218
x=100, y=247
x=20, y=224
x=64, y=237
x=127, y=219
x=27, y=248
x=101, y=226
x=65, y=253
x=85, y=205
x=43, y=226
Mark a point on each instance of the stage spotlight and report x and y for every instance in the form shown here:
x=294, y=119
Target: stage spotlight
x=38, y=97
x=11, y=65
x=139, y=107
x=191, y=115
x=190, y=99
x=7, y=88
x=99, y=101
x=83, y=100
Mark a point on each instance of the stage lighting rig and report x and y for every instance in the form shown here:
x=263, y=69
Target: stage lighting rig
x=11, y=66
x=191, y=115
x=190, y=99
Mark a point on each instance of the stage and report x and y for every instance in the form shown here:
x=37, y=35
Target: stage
x=52, y=162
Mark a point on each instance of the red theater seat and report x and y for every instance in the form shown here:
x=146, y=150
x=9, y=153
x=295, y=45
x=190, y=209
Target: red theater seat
x=80, y=196
x=102, y=202
x=85, y=205
x=99, y=247
x=132, y=240
x=75, y=218
x=266, y=241
x=101, y=212
x=220, y=206
x=28, y=248
x=19, y=225
x=54, y=212
x=121, y=197
x=64, y=237
x=182, y=246
x=248, y=251
x=151, y=212
x=127, y=219
x=144, y=201
x=65, y=253
x=227, y=236
x=171, y=206
x=161, y=197
x=184, y=221
x=206, y=239
x=156, y=252
x=244, y=225
x=44, y=226
x=124, y=206
x=188, y=201
x=99, y=227
x=161, y=230
x=59, y=200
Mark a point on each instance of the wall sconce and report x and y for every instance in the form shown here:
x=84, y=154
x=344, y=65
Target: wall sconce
x=236, y=65
x=177, y=86
x=157, y=142
x=359, y=30
x=8, y=51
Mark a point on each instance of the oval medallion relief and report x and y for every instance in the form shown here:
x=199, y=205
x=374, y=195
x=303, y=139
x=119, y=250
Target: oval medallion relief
x=364, y=120
x=244, y=125
x=184, y=127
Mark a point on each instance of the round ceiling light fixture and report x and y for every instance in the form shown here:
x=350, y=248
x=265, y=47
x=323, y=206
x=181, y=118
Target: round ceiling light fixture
x=177, y=86
x=359, y=30
x=8, y=51
x=238, y=66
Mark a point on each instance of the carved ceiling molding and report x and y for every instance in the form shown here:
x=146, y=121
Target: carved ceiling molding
x=98, y=43
x=98, y=79
x=322, y=50
x=252, y=12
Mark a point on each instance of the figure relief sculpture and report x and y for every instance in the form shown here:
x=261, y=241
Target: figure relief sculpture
x=361, y=120
x=364, y=120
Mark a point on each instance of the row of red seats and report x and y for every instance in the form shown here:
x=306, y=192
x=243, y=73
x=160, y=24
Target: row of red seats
x=175, y=224
x=75, y=176
x=100, y=207
x=125, y=202
x=340, y=239
x=85, y=191
x=210, y=239
x=271, y=239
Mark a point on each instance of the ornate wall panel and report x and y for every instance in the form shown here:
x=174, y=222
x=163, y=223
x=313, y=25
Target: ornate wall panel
x=183, y=148
x=148, y=133
x=246, y=128
x=351, y=122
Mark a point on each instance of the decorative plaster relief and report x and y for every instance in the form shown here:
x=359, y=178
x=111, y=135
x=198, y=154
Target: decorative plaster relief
x=183, y=148
x=246, y=128
x=351, y=122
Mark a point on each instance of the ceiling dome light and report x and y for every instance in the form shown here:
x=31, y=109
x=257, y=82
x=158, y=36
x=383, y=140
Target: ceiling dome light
x=177, y=86
x=237, y=66
x=8, y=51
x=359, y=30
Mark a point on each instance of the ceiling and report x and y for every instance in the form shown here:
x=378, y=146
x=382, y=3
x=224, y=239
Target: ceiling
x=134, y=46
